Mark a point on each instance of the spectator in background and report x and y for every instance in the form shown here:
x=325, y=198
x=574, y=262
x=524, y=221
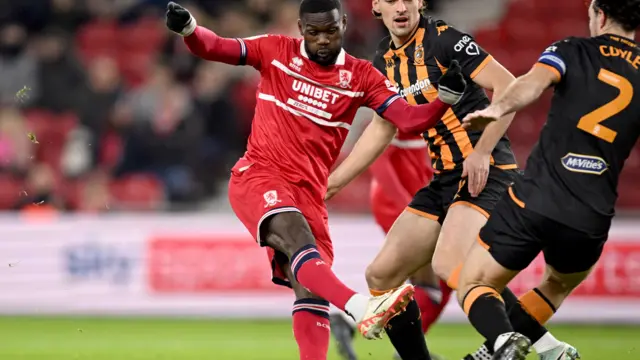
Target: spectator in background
x=224, y=141
x=16, y=150
x=18, y=68
x=66, y=15
x=31, y=14
x=264, y=10
x=60, y=74
x=94, y=196
x=285, y=20
x=102, y=10
x=163, y=133
x=235, y=21
x=94, y=103
x=40, y=190
x=83, y=57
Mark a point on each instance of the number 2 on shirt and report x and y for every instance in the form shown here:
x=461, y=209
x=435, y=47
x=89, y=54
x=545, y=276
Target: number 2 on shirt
x=591, y=122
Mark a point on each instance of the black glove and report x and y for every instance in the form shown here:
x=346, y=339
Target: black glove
x=452, y=84
x=179, y=20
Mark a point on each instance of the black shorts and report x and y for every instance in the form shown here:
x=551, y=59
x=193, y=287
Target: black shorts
x=448, y=189
x=515, y=235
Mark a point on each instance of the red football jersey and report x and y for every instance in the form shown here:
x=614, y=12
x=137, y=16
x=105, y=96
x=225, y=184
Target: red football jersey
x=410, y=159
x=304, y=110
x=399, y=173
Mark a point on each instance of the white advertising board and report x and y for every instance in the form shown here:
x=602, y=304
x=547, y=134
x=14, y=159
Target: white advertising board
x=207, y=265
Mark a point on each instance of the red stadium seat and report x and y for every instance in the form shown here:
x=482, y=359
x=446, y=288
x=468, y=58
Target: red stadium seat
x=111, y=150
x=10, y=191
x=524, y=126
x=71, y=191
x=134, y=66
x=569, y=27
x=147, y=35
x=51, y=131
x=504, y=57
x=138, y=192
x=523, y=60
x=100, y=38
x=524, y=8
x=517, y=32
x=569, y=9
x=490, y=39
x=628, y=194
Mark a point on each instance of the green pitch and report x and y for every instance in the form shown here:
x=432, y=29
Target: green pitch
x=147, y=339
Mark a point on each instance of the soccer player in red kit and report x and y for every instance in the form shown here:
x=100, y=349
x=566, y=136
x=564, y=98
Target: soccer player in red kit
x=398, y=174
x=309, y=92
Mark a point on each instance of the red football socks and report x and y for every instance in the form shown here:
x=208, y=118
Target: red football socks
x=314, y=274
x=311, y=328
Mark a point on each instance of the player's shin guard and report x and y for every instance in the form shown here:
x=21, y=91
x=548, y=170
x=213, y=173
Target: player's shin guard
x=486, y=311
x=432, y=302
x=405, y=333
x=311, y=328
x=314, y=274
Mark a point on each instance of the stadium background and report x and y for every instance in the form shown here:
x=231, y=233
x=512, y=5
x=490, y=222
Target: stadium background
x=115, y=144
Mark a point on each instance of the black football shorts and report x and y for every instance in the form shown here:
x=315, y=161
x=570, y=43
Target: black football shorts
x=515, y=235
x=448, y=188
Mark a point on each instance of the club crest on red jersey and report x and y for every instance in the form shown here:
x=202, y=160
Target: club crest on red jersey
x=296, y=63
x=345, y=77
x=271, y=198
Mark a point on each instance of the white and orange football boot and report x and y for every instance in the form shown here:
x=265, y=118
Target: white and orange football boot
x=383, y=308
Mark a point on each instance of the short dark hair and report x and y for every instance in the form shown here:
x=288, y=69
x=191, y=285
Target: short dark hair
x=319, y=6
x=624, y=12
x=377, y=15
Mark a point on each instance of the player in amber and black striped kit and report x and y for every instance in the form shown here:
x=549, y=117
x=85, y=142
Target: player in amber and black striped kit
x=565, y=203
x=473, y=168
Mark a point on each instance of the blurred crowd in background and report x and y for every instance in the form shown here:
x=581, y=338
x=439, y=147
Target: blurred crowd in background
x=103, y=109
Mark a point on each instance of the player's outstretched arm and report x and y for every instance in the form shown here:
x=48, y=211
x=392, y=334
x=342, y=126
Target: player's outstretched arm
x=413, y=119
x=521, y=93
x=496, y=78
x=416, y=119
x=202, y=42
x=371, y=144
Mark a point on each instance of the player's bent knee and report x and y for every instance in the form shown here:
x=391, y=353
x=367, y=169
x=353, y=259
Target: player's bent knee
x=382, y=277
x=447, y=264
x=287, y=232
x=481, y=268
x=455, y=241
x=443, y=267
x=561, y=284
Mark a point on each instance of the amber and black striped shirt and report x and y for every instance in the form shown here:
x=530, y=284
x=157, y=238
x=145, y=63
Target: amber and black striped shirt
x=415, y=68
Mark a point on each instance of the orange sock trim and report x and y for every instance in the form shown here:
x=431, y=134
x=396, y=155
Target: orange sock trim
x=536, y=305
x=454, y=279
x=476, y=293
x=380, y=292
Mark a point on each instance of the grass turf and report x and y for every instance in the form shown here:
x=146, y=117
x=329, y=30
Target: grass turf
x=147, y=339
